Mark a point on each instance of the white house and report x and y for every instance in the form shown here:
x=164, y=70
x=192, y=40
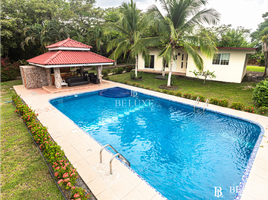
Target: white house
x=229, y=64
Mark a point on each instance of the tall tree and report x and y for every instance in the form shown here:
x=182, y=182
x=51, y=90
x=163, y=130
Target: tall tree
x=130, y=28
x=177, y=28
x=261, y=35
x=44, y=34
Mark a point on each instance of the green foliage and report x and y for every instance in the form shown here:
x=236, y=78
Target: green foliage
x=223, y=103
x=263, y=110
x=44, y=34
x=129, y=68
x=249, y=109
x=260, y=93
x=177, y=28
x=120, y=70
x=237, y=106
x=115, y=71
x=9, y=71
x=187, y=95
x=105, y=73
x=202, y=98
x=133, y=76
x=171, y=92
x=79, y=193
x=64, y=171
x=214, y=101
x=206, y=74
x=178, y=94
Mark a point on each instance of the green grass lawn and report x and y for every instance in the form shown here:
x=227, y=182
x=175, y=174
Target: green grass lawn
x=233, y=92
x=255, y=69
x=24, y=174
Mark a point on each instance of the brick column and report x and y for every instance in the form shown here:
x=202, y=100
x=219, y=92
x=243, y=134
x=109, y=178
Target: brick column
x=48, y=76
x=57, y=78
x=99, y=69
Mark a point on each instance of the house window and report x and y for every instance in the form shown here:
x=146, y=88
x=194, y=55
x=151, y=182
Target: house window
x=150, y=64
x=221, y=59
x=182, y=65
x=186, y=65
x=182, y=56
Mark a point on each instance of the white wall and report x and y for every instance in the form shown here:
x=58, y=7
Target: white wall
x=233, y=72
x=226, y=73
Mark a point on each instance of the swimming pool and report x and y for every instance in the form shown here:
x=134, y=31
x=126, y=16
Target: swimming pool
x=181, y=153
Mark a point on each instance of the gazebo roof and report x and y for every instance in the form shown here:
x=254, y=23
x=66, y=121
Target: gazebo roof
x=69, y=53
x=69, y=59
x=68, y=44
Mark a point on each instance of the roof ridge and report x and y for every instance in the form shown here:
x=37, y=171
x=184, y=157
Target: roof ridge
x=52, y=57
x=80, y=43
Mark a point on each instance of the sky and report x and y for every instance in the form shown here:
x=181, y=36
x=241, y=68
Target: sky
x=246, y=13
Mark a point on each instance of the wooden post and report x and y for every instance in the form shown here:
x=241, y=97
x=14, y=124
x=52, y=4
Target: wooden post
x=48, y=76
x=99, y=75
x=57, y=78
x=81, y=70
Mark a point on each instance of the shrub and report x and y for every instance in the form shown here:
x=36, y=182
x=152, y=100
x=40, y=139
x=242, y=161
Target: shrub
x=140, y=75
x=79, y=193
x=202, y=98
x=148, y=88
x=105, y=73
x=157, y=90
x=187, y=96
x=237, y=106
x=178, y=94
x=260, y=93
x=132, y=75
x=9, y=71
x=194, y=97
x=108, y=71
x=249, y=109
x=64, y=171
x=120, y=70
x=263, y=110
x=165, y=91
x=223, y=103
x=214, y=101
x=171, y=92
x=115, y=71
x=129, y=68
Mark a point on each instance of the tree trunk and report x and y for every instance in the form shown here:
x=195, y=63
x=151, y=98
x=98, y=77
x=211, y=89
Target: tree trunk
x=163, y=70
x=266, y=59
x=266, y=64
x=170, y=71
x=136, y=66
x=81, y=71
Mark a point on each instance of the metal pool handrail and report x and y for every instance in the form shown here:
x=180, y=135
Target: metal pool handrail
x=107, y=145
x=196, y=101
x=206, y=104
x=121, y=157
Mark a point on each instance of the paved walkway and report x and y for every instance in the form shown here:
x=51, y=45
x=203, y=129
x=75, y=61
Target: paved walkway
x=83, y=151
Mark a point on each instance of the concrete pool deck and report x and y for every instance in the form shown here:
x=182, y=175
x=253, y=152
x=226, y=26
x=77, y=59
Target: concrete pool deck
x=83, y=151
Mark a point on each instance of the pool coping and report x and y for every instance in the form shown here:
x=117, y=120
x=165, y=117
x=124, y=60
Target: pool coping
x=188, y=103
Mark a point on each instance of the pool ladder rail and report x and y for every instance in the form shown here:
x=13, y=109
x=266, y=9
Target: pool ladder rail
x=197, y=102
x=120, y=156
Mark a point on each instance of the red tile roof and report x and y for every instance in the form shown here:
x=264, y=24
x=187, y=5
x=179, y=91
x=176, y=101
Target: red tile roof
x=68, y=58
x=69, y=43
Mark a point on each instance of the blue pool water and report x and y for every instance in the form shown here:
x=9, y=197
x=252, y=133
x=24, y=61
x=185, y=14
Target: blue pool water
x=181, y=153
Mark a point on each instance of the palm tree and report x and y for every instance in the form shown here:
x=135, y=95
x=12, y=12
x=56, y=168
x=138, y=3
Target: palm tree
x=178, y=29
x=44, y=34
x=130, y=27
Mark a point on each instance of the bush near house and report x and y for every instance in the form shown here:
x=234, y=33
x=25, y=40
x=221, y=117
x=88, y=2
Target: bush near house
x=260, y=93
x=263, y=110
x=64, y=171
x=9, y=71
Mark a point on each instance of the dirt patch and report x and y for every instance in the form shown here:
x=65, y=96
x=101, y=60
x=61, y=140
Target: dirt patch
x=161, y=77
x=247, y=87
x=253, y=76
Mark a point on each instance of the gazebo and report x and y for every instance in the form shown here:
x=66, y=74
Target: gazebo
x=66, y=53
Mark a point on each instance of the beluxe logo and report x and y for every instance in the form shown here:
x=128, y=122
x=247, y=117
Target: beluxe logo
x=219, y=192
